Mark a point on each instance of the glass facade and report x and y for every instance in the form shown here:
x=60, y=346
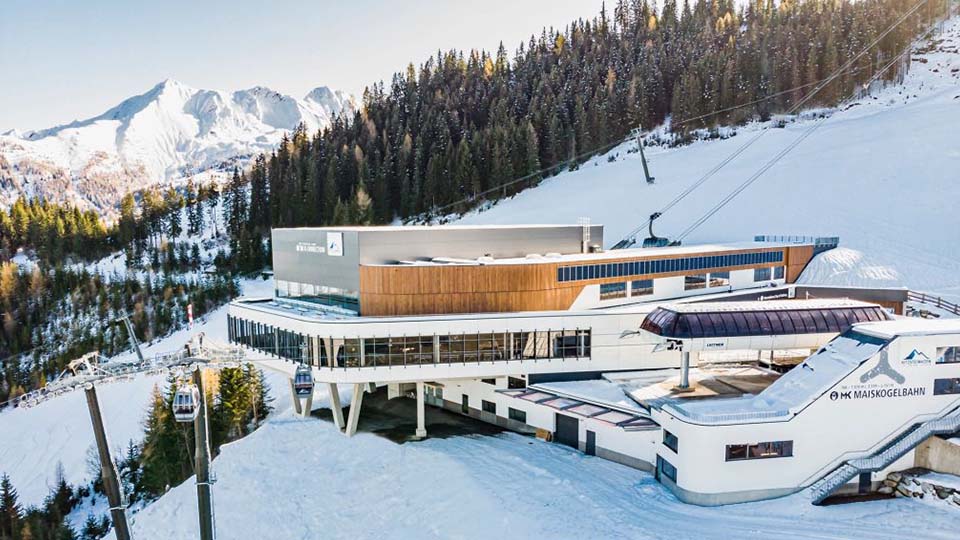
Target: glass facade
x=609, y=291
x=720, y=279
x=762, y=274
x=764, y=450
x=318, y=294
x=641, y=287
x=948, y=355
x=323, y=351
x=661, y=266
x=694, y=282
x=670, y=441
x=669, y=323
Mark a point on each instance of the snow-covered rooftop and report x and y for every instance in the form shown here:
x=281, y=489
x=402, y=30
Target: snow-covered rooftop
x=910, y=326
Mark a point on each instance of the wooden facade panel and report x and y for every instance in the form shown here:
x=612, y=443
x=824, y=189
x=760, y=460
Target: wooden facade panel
x=433, y=289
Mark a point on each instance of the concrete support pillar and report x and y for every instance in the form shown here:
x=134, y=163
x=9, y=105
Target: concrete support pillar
x=684, y=370
x=355, y=403
x=335, y=406
x=296, y=398
x=308, y=406
x=421, y=413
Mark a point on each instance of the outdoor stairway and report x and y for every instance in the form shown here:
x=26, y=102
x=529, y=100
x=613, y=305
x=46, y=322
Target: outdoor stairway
x=821, y=489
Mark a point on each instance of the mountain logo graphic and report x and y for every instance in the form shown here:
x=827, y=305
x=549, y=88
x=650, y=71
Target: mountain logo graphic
x=883, y=368
x=916, y=357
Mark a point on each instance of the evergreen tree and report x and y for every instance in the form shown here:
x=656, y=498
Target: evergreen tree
x=11, y=513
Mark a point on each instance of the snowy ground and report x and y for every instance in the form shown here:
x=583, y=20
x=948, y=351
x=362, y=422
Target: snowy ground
x=881, y=174
x=297, y=478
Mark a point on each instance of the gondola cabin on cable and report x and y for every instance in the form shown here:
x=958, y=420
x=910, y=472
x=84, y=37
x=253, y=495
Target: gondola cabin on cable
x=303, y=381
x=186, y=403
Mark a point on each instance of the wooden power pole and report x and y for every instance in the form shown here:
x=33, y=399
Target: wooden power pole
x=201, y=432
x=108, y=470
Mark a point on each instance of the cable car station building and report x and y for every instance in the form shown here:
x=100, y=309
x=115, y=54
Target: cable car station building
x=537, y=329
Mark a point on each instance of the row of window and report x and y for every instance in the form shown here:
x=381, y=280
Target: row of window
x=766, y=274
x=661, y=266
x=638, y=287
x=763, y=450
x=409, y=350
x=318, y=294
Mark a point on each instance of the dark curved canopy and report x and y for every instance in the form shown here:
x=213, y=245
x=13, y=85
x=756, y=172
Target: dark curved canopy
x=670, y=323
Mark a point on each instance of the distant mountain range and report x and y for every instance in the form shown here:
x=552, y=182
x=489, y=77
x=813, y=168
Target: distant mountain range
x=165, y=136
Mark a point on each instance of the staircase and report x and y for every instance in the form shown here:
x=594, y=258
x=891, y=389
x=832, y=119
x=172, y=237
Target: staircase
x=821, y=489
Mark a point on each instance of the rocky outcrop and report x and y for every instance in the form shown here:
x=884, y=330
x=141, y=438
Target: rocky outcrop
x=914, y=484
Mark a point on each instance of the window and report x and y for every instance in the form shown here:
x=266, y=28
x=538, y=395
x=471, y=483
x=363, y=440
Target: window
x=948, y=355
x=778, y=272
x=609, y=291
x=761, y=274
x=942, y=387
x=641, y=287
x=670, y=440
x=764, y=450
x=517, y=415
x=488, y=406
x=571, y=344
x=719, y=279
x=666, y=469
x=489, y=381
x=696, y=281
x=516, y=382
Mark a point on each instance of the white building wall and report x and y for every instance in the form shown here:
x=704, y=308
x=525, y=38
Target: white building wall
x=825, y=433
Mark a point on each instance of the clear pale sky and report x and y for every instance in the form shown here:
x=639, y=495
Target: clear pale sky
x=62, y=60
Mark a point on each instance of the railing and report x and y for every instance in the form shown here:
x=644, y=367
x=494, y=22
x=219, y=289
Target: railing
x=936, y=301
x=820, y=243
x=893, y=451
x=709, y=419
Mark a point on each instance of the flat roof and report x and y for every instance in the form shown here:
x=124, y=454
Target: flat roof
x=638, y=253
x=910, y=326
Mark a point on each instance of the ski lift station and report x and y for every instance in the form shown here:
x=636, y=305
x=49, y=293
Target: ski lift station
x=708, y=365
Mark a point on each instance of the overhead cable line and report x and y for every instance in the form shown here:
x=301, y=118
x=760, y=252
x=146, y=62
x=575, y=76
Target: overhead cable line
x=630, y=237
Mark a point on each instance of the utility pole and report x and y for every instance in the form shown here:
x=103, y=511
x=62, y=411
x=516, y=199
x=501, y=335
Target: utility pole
x=202, y=453
x=108, y=470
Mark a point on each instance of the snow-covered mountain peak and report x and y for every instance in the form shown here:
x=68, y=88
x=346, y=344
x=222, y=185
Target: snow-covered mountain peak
x=164, y=135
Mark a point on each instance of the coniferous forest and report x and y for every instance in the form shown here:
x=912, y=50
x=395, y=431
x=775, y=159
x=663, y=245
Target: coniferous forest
x=462, y=123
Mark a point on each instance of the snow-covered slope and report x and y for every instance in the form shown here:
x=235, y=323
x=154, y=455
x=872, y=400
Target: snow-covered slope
x=166, y=134
x=57, y=431
x=883, y=174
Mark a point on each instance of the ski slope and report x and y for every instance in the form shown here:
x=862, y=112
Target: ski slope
x=882, y=173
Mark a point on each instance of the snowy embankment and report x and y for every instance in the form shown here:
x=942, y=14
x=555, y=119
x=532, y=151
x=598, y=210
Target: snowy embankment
x=882, y=173
x=301, y=478
x=58, y=431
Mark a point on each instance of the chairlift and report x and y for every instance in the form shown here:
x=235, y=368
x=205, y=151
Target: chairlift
x=303, y=381
x=186, y=404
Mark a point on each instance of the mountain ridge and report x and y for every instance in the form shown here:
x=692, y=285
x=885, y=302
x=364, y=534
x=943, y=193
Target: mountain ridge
x=164, y=136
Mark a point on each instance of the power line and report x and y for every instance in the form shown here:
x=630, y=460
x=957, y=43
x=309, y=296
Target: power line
x=807, y=133
x=736, y=153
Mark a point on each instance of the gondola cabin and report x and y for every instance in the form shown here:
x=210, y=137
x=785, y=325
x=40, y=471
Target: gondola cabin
x=303, y=381
x=186, y=404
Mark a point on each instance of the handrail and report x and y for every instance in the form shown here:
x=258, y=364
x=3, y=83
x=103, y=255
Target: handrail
x=937, y=301
x=890, y=451
x=845, y=457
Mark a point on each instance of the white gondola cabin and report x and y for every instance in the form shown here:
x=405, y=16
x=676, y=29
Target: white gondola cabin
x=303, y=381
x=186, y=403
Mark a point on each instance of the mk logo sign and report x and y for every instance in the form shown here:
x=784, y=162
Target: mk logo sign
x=883, y=368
